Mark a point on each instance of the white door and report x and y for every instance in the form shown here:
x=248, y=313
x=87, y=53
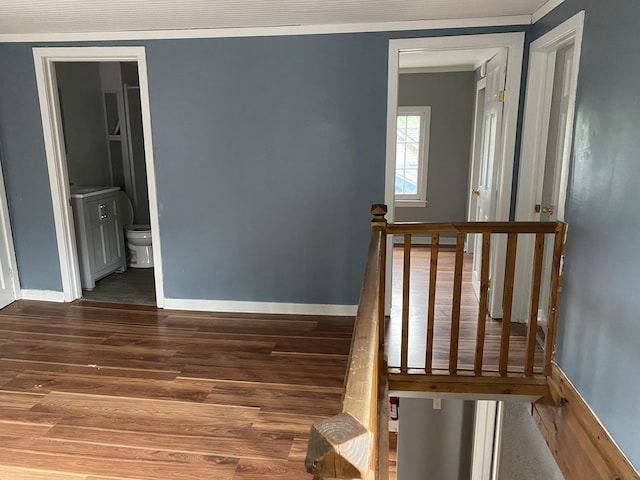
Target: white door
x=474, y=169
x=551, y=205
x=490, y=153
x=8, y=273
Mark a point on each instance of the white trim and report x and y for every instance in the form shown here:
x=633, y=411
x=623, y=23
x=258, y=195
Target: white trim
x=497, y=441
x=534, y=139
x=42, y=295
x=268, y=31
x=44, y=59
x=484, y=430
x=514, y=42
x=544, y=9
x=259, y=307
x=411, y=203
x=445, y=69
x=7, y=232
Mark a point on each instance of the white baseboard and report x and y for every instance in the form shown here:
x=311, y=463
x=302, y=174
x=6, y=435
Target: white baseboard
x=423, y=240
x=259, y=307
x=41, y=295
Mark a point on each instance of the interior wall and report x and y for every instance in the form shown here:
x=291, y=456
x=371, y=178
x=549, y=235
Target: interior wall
x=524, y=453
x=434, y=443
x=450, y=96
x=268, y=154
x=84, y=123
x=598, y=319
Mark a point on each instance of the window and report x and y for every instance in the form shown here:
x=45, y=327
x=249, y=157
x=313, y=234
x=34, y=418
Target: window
x=412, y=148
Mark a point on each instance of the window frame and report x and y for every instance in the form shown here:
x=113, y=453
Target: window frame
x=418, y=199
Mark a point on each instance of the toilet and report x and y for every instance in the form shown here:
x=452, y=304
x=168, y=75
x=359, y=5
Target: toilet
x=137, y=237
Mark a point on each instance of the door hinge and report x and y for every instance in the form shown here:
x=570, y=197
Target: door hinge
x=501, y=94
x=11, y=273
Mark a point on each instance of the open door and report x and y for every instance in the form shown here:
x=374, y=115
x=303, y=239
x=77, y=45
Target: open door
x=8, y=273
x=490, y=155
x=546, y=149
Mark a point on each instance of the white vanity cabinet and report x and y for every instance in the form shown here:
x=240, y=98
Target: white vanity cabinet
x=99, y=233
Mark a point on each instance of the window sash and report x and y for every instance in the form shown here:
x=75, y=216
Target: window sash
x=412, y=134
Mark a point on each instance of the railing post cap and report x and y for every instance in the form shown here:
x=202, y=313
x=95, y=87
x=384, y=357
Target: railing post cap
x=378, y=209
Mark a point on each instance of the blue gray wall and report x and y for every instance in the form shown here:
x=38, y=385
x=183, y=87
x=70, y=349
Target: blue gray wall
x=268, y=153
x=450, y=96
x=599, y=326
x=435, y=441
x=84, y=123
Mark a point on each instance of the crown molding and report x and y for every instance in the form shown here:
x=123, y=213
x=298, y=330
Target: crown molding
x=267, y=31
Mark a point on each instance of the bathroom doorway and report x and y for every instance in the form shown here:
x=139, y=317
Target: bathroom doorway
x=95, y=112
x=101, y=117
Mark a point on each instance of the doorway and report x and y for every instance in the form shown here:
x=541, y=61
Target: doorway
x=546, y=148
x=124, y=163
x=464, y=50
x=102, y=131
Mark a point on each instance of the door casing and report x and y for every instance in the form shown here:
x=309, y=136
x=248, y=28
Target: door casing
x=534, y=143
x=514, y=43
x=44, y=59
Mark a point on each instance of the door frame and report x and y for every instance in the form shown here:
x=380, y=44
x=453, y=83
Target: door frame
x=514, y=43
x=487, y=439
x=44, y=59
x=542, y=56
x=474, y=164
x=7, y=233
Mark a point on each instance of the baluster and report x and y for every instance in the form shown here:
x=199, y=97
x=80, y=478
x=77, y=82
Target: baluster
x=455, y=305
x=482, y=310
x=532, y=327
x=509, y=275
x=554, y=296
x=406, y=273
x=433, y=274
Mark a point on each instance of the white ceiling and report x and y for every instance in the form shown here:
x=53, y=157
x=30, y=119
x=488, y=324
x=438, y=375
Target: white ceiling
x=78, y=16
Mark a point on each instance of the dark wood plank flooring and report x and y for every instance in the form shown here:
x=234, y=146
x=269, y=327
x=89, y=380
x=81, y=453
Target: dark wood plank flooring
x=98, y=391
x=104, y=391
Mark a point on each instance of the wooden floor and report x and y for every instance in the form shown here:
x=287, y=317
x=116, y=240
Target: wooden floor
x=419, y=296
x=97, y=391
x=92, y=391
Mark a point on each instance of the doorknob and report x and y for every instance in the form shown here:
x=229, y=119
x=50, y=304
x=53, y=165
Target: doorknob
x=546, y=210
x=475, y=192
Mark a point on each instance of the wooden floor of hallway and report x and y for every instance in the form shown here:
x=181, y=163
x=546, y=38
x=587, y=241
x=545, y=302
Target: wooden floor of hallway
x=102, y=391
x=96, y=391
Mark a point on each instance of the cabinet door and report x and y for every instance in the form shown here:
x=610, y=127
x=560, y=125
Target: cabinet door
x=106, y=235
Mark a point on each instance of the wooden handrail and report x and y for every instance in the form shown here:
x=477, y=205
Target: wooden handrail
x=471, y=227
x=345, y=446
x=352, y=444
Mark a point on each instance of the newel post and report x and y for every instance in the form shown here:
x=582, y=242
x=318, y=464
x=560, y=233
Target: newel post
x=379, y=222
